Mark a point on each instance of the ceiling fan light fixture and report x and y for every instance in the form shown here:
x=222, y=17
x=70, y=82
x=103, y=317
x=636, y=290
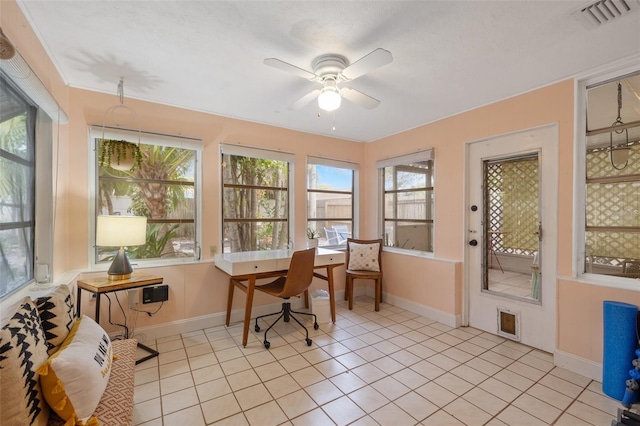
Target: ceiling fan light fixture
x=329, y=98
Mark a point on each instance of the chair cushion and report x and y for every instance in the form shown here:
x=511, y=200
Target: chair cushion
x=364, y=257
x=58, y=315
x=75, y=377
x=23, y=348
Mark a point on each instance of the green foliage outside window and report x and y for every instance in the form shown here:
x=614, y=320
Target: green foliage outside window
x=160, y=188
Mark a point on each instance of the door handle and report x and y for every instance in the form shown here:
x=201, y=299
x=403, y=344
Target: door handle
x=473, y=243
x=539, y=231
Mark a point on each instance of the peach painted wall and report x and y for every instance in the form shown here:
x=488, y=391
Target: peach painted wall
x=580, y=319
x=195, y=290
x=552, y=104
x=199, y=289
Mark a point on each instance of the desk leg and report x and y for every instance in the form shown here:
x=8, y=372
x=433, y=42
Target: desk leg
x=332, y=297
x=97, y=308
x=230, y=300
x=78, y=300
x=247, y=310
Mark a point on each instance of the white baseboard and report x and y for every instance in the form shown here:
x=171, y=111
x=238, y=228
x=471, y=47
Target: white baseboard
x=153, y=332
x=442, y=317
x=579, y=365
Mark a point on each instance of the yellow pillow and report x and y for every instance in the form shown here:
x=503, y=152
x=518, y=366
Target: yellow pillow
x=74, y=378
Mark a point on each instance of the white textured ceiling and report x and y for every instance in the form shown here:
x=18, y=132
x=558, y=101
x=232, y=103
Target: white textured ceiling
x=448, y=56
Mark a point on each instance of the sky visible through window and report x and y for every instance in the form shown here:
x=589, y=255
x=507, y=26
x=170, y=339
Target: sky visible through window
x=334, y=178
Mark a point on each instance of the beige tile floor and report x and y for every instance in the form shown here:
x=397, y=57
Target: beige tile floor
x=508, y=282
x=390, y=367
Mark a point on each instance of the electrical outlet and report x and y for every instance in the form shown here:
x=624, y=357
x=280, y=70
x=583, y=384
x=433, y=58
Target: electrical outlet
x=213, y=250
x=134, y=298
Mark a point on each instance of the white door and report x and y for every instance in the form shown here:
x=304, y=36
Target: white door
x=511, y=217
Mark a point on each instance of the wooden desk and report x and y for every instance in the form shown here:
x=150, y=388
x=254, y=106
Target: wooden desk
x=102, y=285
x=254, y=265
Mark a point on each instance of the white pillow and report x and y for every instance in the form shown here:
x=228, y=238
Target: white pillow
x=364, y=257
x=74, y=378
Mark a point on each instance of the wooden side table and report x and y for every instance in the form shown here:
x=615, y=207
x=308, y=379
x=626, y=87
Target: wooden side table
x=99, y=286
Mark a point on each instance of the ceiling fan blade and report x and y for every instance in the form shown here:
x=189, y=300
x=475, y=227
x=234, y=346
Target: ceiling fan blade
x=303, y=101
x=369, y=62
x=285, y=66
x=359, y=98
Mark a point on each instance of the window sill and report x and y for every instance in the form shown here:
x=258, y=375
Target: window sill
x=620, y=283
x=337, y=248
x=137, y=265
x=407, y=252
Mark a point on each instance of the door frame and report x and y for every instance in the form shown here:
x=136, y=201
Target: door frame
x=548, y=164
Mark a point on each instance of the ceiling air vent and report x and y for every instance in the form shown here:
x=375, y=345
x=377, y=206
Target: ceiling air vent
x=604, y=11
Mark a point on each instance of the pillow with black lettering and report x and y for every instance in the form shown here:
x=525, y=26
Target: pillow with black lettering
x=74, y=378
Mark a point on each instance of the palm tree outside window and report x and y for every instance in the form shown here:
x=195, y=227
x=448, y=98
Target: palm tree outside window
x=163, y=189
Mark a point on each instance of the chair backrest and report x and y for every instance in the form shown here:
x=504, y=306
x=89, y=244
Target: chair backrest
x=332, y=236
x=300, y=273
x=352, y=240
x=343, y=233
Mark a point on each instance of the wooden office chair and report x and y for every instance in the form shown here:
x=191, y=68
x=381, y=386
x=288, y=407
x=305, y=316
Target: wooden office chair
x=297, y=281
x=364, y=261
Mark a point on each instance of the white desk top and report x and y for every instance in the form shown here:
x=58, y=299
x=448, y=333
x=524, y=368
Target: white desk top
x=253, y=262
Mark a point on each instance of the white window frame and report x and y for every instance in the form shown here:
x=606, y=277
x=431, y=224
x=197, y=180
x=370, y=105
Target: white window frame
x=44, y=187
x=422, y=155
x=98, y=132
x=580, y=172
x=355, y=191
x=260, y=153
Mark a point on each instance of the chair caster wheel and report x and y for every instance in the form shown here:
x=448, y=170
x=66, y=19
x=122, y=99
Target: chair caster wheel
x=266, y=344
x=257, y=328
x=316, y=326
x=308, y=342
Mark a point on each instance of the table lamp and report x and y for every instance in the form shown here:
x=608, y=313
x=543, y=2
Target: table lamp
x=121, y=231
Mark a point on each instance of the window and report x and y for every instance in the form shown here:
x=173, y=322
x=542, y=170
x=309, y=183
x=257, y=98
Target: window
x=407, y=201
x=17, y=189
x=164, y=188
x=255, y=198
x=330, y=200
x=612, y=197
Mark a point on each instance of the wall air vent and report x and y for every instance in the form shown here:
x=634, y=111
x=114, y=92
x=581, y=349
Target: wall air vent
x=601, y=12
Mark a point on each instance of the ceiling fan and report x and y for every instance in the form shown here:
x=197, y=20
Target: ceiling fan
x=331, y=71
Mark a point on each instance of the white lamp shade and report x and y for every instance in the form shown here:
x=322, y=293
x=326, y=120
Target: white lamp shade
x=329, y=99
x=120, y=231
